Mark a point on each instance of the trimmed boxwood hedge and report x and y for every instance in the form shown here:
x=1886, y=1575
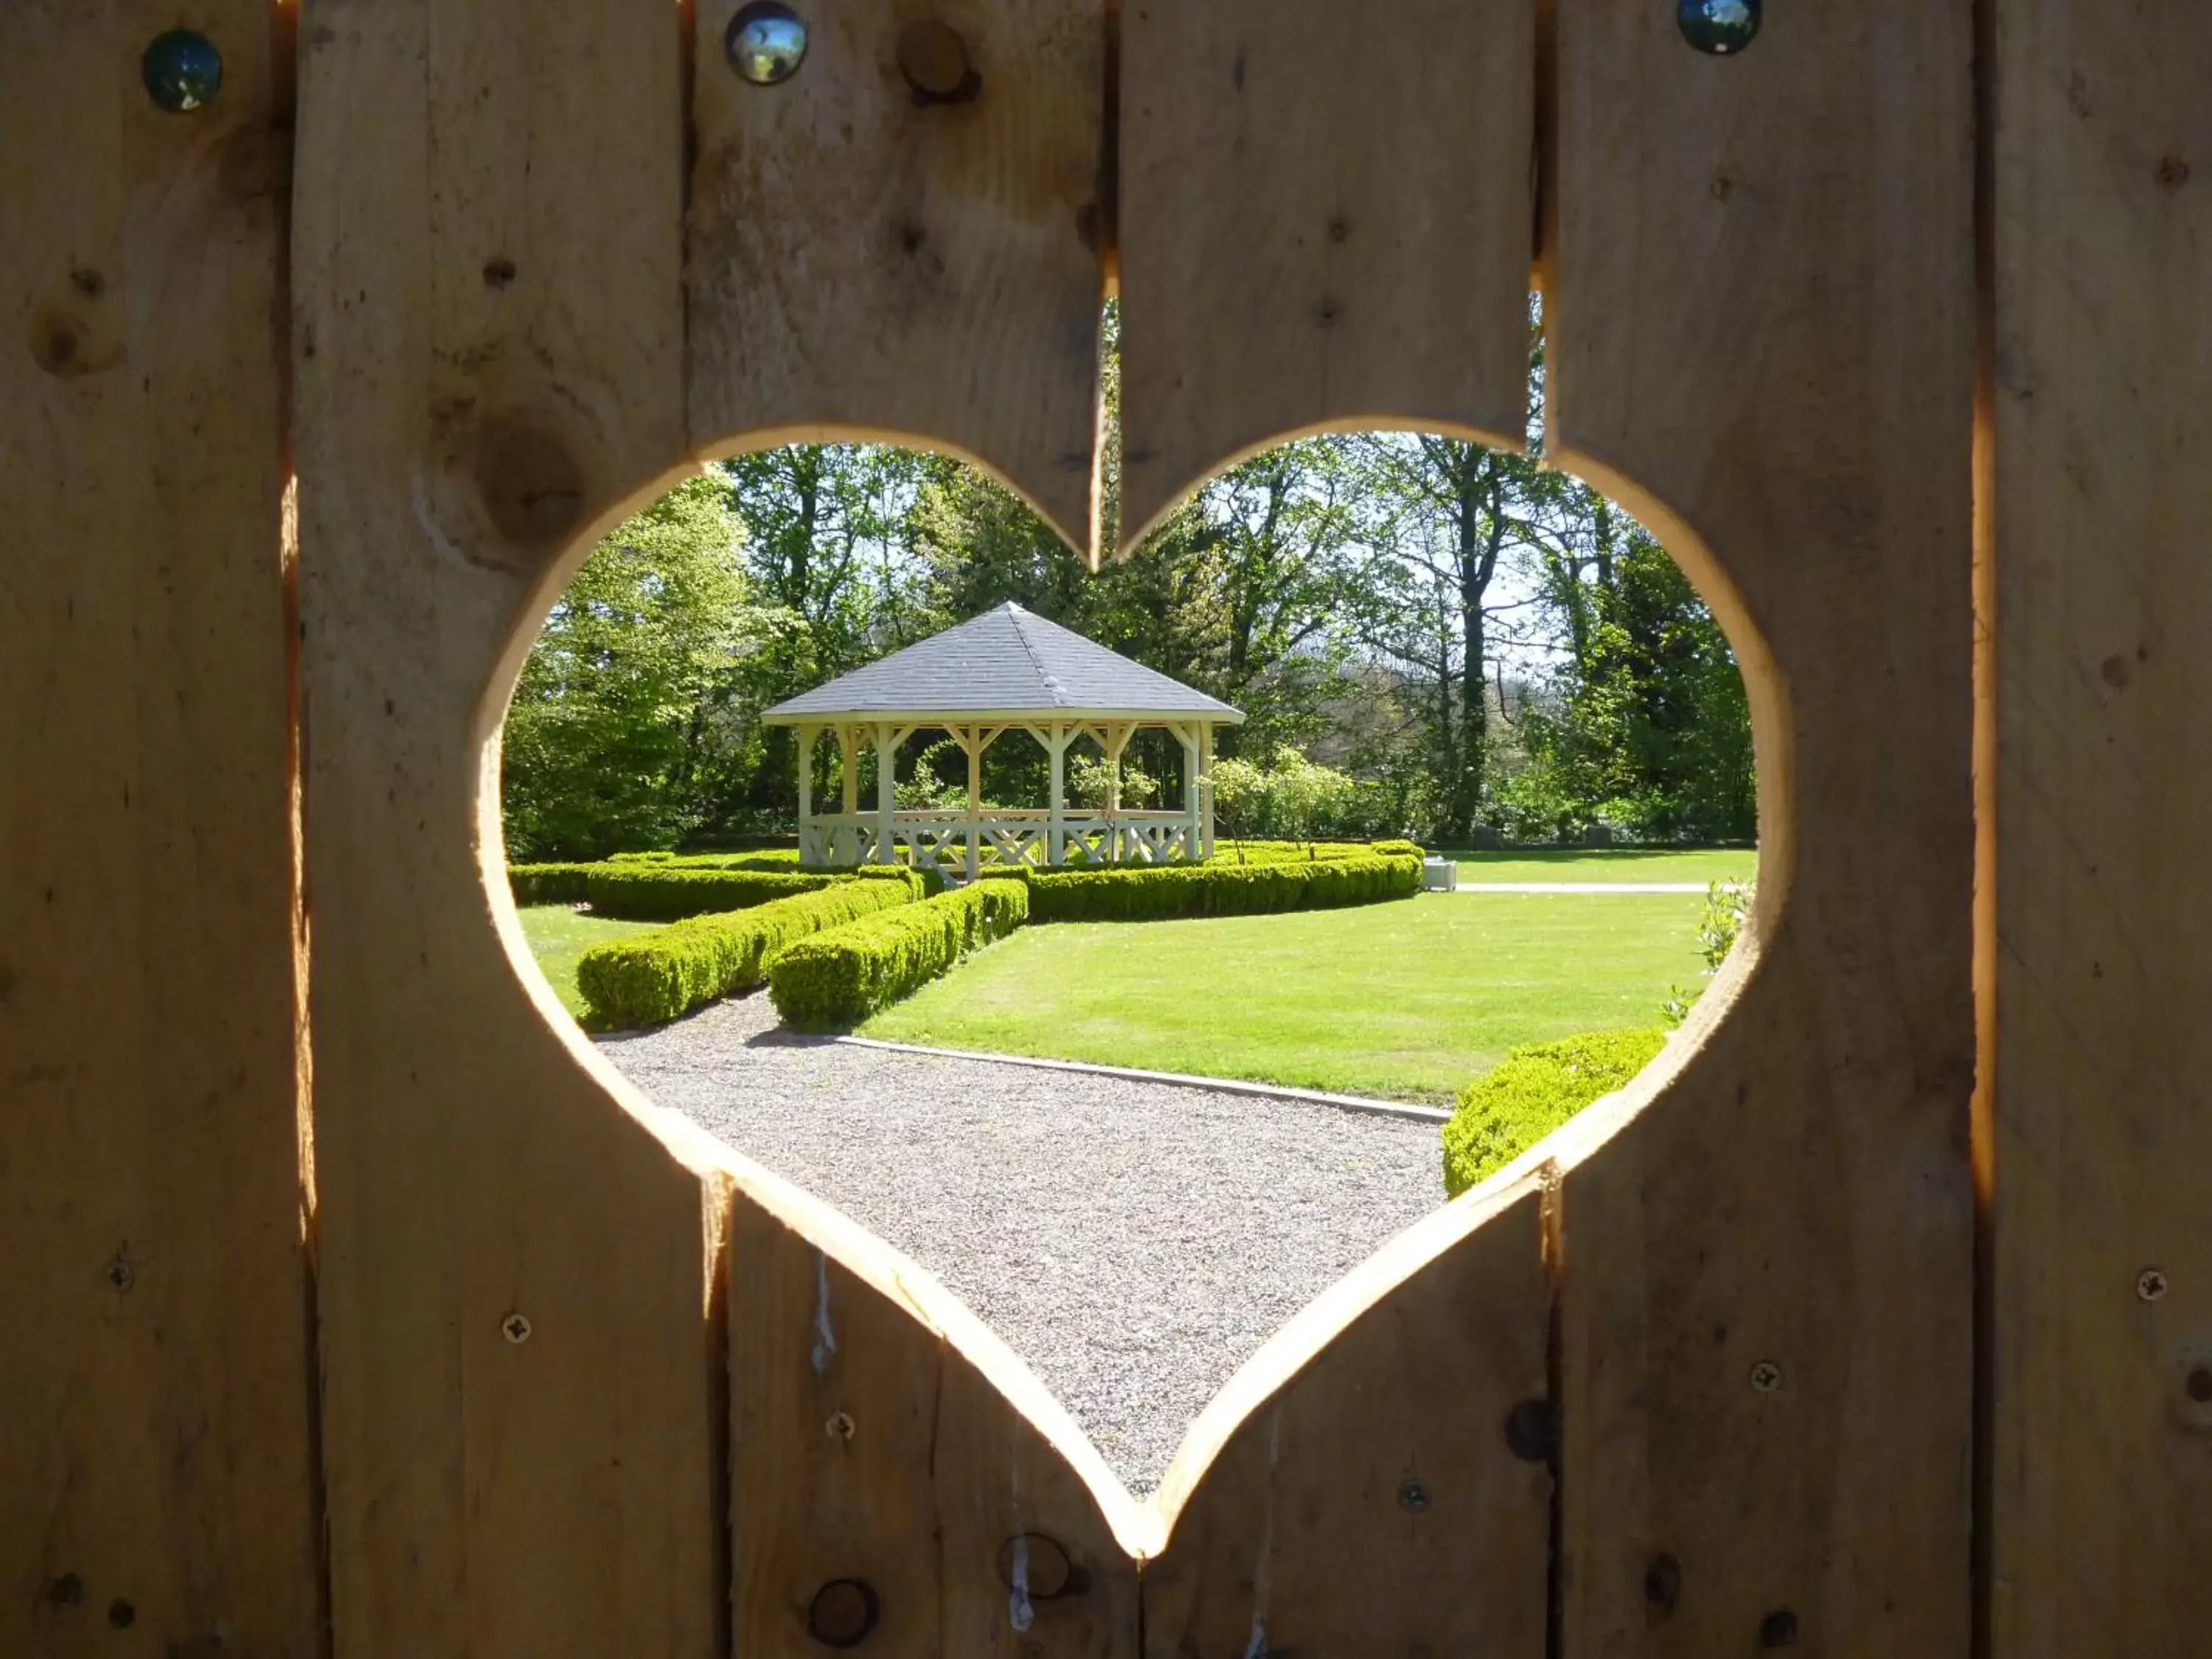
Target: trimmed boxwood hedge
x=1536, y=1088
x=841, y=975
x=1148, y=892
x=657, y=891
x=653, y=977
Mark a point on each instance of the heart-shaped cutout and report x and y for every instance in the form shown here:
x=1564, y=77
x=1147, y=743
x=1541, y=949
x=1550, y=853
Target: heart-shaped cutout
x=882, y=1343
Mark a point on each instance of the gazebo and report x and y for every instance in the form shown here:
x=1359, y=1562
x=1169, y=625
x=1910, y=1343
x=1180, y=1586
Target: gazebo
x=1002, y=672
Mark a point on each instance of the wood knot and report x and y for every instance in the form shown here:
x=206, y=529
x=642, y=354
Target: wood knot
x=62, y=345
x=2172, y=170
x=530, y=482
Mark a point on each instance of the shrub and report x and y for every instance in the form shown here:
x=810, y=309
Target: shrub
x=1535, y=1089
x=1727, y=904
x=1145, y=892
x=549, y=884
x=657, y=976
x=841, y=975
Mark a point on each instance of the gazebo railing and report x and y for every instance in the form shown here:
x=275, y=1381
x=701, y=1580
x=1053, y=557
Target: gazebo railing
x=938, y=839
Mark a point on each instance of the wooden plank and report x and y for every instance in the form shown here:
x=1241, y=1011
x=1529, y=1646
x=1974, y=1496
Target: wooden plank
x=1354, y=1489
x=1760, y=305
x=489, y=370
x=155, y=1375
x=2101, y=1423
x=1325, y=223
x=881, y=1437
x=870, y=261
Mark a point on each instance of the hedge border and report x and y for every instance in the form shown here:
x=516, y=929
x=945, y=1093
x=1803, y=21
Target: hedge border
x=651, y=978
x=841, y=975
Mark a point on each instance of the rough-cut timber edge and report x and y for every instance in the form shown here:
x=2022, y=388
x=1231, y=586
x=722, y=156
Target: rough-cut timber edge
x=865, y=263
x=1323, y=226
x=155, y=1372
x=1759, y=291
x=2099, y=1492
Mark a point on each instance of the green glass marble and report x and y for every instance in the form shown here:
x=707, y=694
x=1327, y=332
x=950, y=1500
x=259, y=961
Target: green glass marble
x=183, y=70
x=1720, y=27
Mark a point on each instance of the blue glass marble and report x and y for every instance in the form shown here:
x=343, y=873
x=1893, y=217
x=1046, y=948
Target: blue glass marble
x=1720, y=27
x=183, y=70
x=765, y=42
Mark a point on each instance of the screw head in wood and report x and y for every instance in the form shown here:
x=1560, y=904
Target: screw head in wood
x=1766, y=1377
x=121, y=1274
x=2150, y=1284
x=765, y=42
x=840, y=1426
x=1718, y=29
x=843, y=1613
x=515, y=1328
x=1413, y=1496
x=182, y=70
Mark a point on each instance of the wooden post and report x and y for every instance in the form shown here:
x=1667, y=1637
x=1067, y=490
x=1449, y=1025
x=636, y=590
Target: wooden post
x=1206, y=790
x=1116, y=738
x=1055, y=825
x=1188, y=737
x=808, y=736
x=849, y=771
x=886, y=793
x=973, y=741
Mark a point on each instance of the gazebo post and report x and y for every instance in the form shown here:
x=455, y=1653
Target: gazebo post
x=1117, y=735
x=886, y=794
x=808, y=737
x=848, y=785
x=1055, y=824
x=1189, y=739
x=972, y=741
x=1205, y=788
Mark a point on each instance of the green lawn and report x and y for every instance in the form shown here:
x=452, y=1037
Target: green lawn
x=1413, y=999
x=1609, y=865
x=558, y=935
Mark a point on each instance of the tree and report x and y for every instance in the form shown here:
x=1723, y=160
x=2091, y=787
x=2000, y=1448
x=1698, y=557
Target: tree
x=612, y=726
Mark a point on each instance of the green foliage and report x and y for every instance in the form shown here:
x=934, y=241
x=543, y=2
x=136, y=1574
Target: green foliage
x=1293, y=797
x=838, y=977
x=667, y=891
x=770, y=859
x=1145, y=892
x=1088, y=777
x=607, y=740
x=1537, y=1088
x=1647, y=727
x=1727, y=904
x=665, y=973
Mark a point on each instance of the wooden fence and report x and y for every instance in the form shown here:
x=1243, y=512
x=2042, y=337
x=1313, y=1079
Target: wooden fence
x=352, y=1306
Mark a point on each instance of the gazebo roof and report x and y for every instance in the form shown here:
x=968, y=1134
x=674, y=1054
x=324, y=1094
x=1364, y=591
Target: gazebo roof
x=1004, y=662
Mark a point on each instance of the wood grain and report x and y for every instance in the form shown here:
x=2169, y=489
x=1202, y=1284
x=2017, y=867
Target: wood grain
x=870, y=261
x=2101, y=1479
x=489, y=356
x=1760, y=304
x=880, y=1434
x=1325, y=222
x=1353, y=1489
x=155, y=1374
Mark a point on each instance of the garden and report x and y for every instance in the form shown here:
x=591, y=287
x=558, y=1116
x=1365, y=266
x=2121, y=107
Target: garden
x=1265, y=962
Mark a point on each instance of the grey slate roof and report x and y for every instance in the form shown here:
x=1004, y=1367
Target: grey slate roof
x=1005, y=661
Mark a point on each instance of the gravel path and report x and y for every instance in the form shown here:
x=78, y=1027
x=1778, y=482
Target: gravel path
x=1133, y=1243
